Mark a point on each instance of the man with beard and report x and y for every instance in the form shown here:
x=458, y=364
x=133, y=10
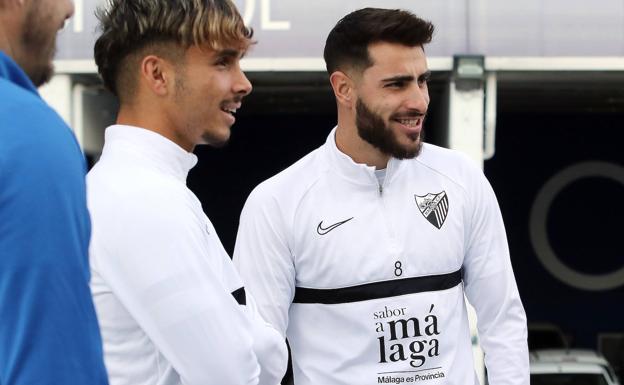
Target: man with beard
x=361, y=252
x=48, y=328
x=171, y=306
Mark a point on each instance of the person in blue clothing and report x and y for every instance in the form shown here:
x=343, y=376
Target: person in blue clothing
x=48, y=327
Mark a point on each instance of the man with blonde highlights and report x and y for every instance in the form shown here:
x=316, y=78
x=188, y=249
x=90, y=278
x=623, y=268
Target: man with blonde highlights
x=171, y=307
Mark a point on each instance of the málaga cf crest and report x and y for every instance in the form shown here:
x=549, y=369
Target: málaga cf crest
x=434, y=207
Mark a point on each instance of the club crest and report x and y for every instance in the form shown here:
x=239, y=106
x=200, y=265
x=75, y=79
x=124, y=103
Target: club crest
x=434, y=207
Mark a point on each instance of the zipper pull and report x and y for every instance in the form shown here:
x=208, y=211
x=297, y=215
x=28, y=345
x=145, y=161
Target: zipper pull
x=380, y=189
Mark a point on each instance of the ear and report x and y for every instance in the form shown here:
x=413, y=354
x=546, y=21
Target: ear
x=12, y=18
x=157, y=74
x=14, y=4
x=343, y=88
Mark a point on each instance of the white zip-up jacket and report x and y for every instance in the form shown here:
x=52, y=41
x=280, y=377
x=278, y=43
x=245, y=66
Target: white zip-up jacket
x=164, y=289
x=367, y=281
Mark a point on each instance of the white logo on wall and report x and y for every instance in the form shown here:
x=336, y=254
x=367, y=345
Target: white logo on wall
x=247, y=11
x=266, y=23
x=538, y=231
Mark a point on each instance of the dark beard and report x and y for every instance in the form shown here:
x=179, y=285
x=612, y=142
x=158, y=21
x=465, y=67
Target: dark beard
x=37, y=42
x=372, y=128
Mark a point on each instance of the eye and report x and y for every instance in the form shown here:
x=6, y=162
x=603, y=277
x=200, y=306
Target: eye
x=396, y=84
x=223, y=61
x=424, y=79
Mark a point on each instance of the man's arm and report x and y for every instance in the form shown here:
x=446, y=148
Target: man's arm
x=155, y=262
x=263, y=258
x=269, y=346
x=491, y=289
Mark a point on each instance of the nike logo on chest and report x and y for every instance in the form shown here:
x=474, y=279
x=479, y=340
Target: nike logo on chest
x=324, y=230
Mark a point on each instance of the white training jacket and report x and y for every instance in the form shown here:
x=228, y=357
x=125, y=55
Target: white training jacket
x=163, y=286
x=368, y=281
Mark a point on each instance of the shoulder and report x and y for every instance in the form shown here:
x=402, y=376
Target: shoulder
x=291, y=184
x=14, y=94
x=133, y=209
x=34, y=140
x=19, y=104
x=447, y=161
x=452, y=165
x=122, y=190
x=28, y=121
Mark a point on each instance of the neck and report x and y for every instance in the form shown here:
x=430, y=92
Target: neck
x=149, y=119
x=6, y=24
x=350, y=143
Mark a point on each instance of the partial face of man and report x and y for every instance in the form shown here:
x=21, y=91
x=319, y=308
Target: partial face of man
x=392, y=99
x=44, y=18
x=210, y=87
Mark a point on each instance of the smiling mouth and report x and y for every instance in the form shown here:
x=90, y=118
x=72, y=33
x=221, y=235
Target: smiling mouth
x=409, y=122
x=230, y=109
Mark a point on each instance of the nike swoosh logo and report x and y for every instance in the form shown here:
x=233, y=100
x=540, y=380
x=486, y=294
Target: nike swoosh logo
x=324, y=230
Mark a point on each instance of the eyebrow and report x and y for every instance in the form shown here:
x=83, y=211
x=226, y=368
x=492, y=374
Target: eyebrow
x=406, y=78
x=425, y=75
x=230, y=53
x=399, y=78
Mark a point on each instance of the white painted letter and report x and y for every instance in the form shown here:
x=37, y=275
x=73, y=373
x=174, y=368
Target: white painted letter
x=78, y=19
x=265, y=19
x=250, y=9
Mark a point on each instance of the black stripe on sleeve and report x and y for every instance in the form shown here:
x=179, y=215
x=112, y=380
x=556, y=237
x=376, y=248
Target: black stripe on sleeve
x=240, y=296
x=375, y=290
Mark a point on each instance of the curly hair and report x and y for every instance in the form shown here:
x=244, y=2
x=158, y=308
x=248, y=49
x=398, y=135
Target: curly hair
x=162, y=27
x=348, y=42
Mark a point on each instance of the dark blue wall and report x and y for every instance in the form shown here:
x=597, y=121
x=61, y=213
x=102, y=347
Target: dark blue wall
x=585, y=221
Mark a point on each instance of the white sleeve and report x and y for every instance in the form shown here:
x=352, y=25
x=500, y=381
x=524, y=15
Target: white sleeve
x=153, y=259
x=491, y=289
x=264, y=260
x=269, y=346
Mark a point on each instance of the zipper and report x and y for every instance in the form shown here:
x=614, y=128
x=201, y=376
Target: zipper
x=380, y=185
x=393, y=249
x=384, y=211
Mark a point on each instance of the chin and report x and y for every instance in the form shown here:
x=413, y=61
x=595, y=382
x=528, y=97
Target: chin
x=404, y=149
x=216, y=140
x=409, y=152
x=42, y=74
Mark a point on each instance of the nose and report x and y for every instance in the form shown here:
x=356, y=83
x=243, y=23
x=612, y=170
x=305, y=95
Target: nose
x=70, y=9
x=242, y=85
x=419, y=99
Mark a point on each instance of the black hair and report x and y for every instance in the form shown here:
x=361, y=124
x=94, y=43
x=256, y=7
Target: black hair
x=348, y=42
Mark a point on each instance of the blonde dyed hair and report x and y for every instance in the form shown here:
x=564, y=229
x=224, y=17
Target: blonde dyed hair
x=162, y=27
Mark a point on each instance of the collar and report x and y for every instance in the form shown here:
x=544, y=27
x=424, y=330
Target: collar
x=149, y=149
x=15, y=74
x=358, y=173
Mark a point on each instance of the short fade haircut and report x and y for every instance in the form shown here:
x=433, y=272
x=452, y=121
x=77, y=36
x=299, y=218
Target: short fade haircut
x=348, y=42
x=165, y=28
